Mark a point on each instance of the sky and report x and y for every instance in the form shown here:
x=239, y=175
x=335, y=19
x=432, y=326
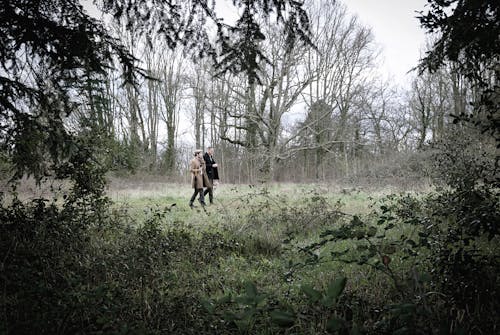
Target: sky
x=396, y=29
x=394, y=24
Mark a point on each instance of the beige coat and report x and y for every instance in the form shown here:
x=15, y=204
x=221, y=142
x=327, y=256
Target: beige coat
x=196, y=173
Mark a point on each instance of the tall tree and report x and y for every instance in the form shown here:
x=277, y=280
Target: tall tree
x=173, y=81
x=344, y=61
x=47, y=45
x=469, y=37
x=266, y=105
x=46, y=48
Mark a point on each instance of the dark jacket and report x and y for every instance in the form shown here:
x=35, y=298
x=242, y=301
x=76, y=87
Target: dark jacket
x=212, y=172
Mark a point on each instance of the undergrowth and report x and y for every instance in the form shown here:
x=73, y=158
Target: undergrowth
x=264, y=264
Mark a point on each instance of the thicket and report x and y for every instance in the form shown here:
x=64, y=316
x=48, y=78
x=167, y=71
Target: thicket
x=416, y=264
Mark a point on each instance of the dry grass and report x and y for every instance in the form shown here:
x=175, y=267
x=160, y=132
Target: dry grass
x=355, y=200
x=136, y=190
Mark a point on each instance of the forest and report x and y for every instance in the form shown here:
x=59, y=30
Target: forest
x=347, y=203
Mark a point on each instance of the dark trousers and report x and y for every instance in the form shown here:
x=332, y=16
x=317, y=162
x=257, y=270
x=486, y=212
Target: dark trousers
x=193, y=197
x=210, y=191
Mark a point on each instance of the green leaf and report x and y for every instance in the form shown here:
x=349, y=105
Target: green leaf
x=245, y=300
x=259, y=299
x=371, y=231
x=208, y=305
x=282, y=318
x=225, y=299
x=248, y=313
x=243, y=325
x=251, y=289
x=335, y=324
x=335, y=289
x=311, y=293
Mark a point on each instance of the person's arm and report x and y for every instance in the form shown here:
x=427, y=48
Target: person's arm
x=194, y=168
x=215, y=171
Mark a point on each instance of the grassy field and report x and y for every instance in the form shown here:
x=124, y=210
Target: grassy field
x=138, y=196
x=263, y=259
x=256, y=235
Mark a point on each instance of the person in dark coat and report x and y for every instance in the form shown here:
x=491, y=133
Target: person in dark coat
x=212, y=172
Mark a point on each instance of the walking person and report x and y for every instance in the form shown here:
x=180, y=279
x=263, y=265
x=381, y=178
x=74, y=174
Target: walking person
x=212, y=172
x=196, y=169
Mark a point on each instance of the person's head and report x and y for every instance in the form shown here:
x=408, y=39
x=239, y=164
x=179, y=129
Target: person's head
x=197, y=152
x=210, y=150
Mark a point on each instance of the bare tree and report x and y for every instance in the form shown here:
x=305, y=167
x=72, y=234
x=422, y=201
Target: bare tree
x=433, y=98
x=265, y=105
x=171, y=71
x=341, y=65
x=152, y=106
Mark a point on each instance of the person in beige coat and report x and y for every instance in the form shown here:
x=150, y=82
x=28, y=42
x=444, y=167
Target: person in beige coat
x=196, y=169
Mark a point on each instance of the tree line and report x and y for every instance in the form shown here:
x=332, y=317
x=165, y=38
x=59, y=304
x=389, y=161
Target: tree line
x=78, y=97
x=319, y=104
x=321, y=108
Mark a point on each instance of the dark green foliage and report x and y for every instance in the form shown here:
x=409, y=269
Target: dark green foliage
x=51, y=50
x=107, y=273
x=252, y=310
x=68, y=270
x=469, y=37
x=463, y=160
x=71, y=269
x=44, y=247
x=240, y=45
x=469, y=34
x=439, y=251
x=47, y=47
x=444, y=264
x=459, y=225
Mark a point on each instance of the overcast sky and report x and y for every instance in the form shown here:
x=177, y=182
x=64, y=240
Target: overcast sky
x=396, y=30
x=394, y=25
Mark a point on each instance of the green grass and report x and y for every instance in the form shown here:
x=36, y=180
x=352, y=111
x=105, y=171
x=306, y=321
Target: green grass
x=255, y=221
x=255, y=255
x=234, y=197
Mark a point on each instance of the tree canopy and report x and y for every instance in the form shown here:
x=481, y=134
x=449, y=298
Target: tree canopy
x=469, y=37
x=49, y=48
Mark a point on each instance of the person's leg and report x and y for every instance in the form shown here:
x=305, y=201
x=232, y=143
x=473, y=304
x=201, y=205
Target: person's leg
x=193, y=197
x=202, y=197
x=210, y=191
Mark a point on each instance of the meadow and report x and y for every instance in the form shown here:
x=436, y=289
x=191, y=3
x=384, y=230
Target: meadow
x=250, y=262
x=263, y=259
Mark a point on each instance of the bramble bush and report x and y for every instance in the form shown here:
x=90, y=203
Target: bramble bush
x=439, y=250
x=79, y=265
